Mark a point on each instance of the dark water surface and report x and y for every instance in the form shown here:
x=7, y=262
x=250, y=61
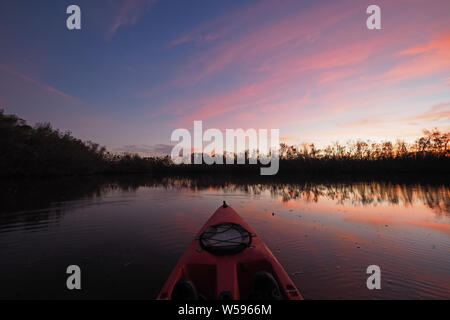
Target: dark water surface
x=127, y=234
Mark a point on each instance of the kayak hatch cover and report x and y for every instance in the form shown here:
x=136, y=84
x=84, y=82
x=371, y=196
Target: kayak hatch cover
x=223, y=259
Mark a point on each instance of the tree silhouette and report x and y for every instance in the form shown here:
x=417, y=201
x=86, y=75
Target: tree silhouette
x=44, y=151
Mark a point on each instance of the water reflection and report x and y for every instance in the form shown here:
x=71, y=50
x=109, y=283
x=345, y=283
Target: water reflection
x=125, y=229
x=48, y=199
x=435, y=196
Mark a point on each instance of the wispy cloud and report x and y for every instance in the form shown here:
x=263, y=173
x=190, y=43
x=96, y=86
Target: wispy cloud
x=424, y=60
x=38, y=83
x=437, y=113
x=300, y=68
x=260, y=47
x=232, y=23
x=128, y=13
x=266, y=93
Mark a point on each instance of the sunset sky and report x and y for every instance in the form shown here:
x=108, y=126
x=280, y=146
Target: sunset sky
x=140, y=69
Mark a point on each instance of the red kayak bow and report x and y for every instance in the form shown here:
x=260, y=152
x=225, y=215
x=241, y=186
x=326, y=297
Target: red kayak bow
x=227, y=260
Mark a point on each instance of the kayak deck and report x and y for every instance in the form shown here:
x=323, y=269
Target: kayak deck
x=215, y=274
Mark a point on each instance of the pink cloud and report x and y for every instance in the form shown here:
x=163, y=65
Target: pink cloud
x=268, y=91
x=435, y=113
x=265, y=44
x=336, y=75
x=310, y=67
x=427, y=59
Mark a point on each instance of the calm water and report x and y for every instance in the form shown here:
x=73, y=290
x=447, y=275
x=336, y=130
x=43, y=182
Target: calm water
x=127, y=234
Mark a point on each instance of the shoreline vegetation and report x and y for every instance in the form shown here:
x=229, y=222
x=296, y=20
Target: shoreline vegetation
x=42, y=151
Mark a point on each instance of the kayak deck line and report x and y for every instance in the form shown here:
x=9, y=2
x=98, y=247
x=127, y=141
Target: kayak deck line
x=228, y=261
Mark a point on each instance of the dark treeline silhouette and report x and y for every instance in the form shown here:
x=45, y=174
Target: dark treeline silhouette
x=428, y=154
x=41, y=150
x=44, y=151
